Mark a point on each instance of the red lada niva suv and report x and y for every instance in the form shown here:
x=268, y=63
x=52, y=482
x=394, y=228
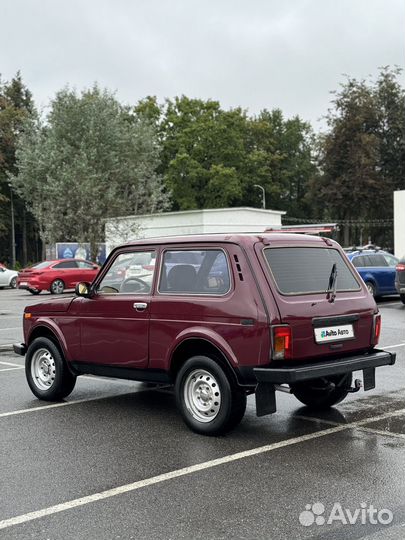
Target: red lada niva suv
x=217, y=316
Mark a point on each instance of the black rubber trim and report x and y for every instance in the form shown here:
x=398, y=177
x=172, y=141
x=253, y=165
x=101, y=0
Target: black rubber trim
x=323, y=369
x=318, y=322
x=20, y=348
x=133, y=374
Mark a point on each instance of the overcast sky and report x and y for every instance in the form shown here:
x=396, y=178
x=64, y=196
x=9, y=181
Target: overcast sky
x=253, y=53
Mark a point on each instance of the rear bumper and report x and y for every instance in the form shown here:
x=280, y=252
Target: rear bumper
x=291, y=375
x=28, y=286
x=268, y=378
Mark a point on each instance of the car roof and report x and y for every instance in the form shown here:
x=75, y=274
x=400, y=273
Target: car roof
x=368, y=252
x=53, y=261
x=270, y=238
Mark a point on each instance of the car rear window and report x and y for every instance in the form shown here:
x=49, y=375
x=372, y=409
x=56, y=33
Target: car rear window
x=305, y=270
x=43, y=264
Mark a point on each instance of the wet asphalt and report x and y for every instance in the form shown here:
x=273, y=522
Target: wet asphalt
x=113, y=433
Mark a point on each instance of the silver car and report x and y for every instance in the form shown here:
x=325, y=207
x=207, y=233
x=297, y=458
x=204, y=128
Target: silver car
x=8, y=278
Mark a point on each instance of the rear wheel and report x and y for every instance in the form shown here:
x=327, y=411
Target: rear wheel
x=57, y=287
x=13, y=283
x=323, y=393
x=371, y=288
x=209, y=400
x=402, y=296
x=47, y=373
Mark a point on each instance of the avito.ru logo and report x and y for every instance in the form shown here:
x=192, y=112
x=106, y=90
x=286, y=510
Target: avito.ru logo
x=313, y=513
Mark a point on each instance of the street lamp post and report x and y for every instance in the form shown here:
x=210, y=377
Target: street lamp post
x=13, y=261
x=263, y=194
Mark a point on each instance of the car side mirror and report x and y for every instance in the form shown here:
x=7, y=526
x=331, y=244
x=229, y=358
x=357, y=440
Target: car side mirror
x=2, y=269
x=83, y=289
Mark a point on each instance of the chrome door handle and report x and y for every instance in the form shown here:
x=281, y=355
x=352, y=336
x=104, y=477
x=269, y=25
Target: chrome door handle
x=140, y=306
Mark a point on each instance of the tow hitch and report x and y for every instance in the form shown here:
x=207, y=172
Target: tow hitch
x=357, y=385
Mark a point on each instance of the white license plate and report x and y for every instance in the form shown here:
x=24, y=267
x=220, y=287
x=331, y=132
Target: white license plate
x=334, y=333
x=23, y=283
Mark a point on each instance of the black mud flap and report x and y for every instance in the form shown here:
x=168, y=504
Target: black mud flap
x=369, y=378
x=265, y=399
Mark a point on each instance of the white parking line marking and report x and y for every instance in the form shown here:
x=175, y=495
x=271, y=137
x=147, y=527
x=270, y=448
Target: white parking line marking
x=392, y=346
x=11, y=368
x=13, y=328
x=383, y=432
x=9, y=364
x=126, y=488
x=64, y=404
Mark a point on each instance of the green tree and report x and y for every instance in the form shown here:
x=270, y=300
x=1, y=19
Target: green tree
x=90, y=160
x=15, y=107
x=202, y=145
x=362, y=155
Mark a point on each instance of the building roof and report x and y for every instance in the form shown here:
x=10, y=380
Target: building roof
x=203, y=211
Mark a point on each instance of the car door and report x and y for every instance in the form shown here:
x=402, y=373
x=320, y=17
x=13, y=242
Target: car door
x=86, y=271
x=114, y=323
x=65, y=270
x=392, y=264
x=3, y=277
x=384, y=274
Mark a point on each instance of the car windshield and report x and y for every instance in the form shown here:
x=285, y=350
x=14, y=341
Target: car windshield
x=304, y=270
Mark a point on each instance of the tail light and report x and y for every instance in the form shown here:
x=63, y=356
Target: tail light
x=400, y=267
x=282, y=342
x=376, y=329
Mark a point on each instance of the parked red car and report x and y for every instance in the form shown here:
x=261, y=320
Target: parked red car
x=219, y=317
x=56, y=276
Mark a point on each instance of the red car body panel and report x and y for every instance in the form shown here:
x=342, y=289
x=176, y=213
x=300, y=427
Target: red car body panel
x=107, y=330
x=40, y=279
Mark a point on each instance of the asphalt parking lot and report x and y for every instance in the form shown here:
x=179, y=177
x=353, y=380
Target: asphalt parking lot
x=115, y=460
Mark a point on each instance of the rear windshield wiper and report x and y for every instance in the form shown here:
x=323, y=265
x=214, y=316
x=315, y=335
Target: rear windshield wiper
x=331, y=290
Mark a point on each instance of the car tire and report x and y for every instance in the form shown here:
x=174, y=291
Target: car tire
x=33, y=291
x=317, y=394
x=57, y=287
x=207, y=397
x=402, y=297
x=13, y=283
x=46, y=371
x=371, y=288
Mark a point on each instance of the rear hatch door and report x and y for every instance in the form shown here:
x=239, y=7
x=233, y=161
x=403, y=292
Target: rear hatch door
x=300, y=276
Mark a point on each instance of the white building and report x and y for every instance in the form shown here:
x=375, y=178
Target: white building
x=399, y=223
x=123, y=229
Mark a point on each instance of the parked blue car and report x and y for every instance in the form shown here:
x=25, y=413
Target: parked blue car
x=377, y=268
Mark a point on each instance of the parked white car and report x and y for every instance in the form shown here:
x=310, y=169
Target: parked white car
x=8, y=278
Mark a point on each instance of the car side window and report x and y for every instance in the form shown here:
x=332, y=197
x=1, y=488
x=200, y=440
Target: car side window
x=66, y=264
x=85, y=265
x=378, y=260
x=195, y=272
x=391, y=260
x=358, y=261
x=129, y=273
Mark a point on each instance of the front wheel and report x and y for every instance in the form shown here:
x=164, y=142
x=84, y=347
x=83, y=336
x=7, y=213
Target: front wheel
x=323, y=393
x=402, y=296
x=57, y=287
x=209, y=400
x=47, y=373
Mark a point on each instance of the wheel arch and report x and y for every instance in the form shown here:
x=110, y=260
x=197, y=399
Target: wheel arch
x=198, y=345
x=46, y=330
